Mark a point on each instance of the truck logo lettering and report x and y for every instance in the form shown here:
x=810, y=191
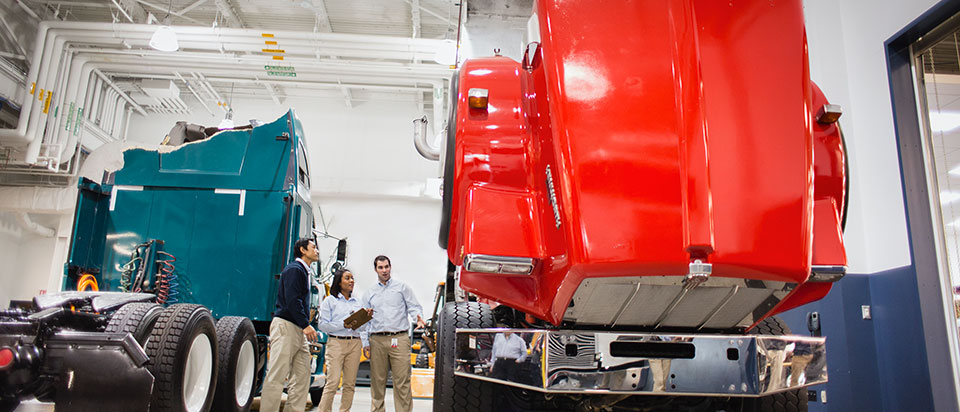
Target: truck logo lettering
x=553, y=198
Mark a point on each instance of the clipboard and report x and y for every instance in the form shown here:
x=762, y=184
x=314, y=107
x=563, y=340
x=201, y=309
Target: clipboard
x=361, y=317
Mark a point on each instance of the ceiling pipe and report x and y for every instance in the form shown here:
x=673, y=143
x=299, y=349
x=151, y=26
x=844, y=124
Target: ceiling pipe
x=19, y=133
x=194, y=92
x=137, y=63
x=27, y=223
x=310, y=62
x=117, y=119
x=26, y=126
x=91, y=111
x=126, y=126
x=61, y=76
x=277, y=82
x=220, y=100
x=27, y=9
x=133, y=62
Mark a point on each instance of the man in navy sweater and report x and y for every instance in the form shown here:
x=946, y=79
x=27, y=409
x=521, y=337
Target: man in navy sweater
x=290, y=332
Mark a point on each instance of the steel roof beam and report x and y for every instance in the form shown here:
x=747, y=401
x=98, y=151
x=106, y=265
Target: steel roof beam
x=132, y=10
x=230, y=14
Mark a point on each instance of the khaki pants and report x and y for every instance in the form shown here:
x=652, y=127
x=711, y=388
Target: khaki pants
x=383, y=357
x=343, y=356
x=289, y=360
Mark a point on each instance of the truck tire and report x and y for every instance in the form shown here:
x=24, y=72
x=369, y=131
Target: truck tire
x=450, y=392
x=423, y=358
x=183, y=359
x=789, y=401
x=237, y=352
x=137, y=318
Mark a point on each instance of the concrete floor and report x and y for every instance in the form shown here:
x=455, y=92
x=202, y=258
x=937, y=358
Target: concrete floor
x=361, y=403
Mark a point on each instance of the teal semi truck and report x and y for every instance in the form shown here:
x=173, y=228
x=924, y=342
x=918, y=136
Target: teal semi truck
x=171, y=278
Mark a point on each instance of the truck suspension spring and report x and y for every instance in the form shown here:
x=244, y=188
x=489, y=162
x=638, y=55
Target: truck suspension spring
x=167, y=285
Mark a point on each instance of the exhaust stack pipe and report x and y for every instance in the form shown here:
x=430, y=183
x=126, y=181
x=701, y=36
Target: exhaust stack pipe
x=420, y=140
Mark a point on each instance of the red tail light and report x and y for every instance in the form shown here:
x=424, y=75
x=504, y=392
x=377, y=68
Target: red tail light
x=6, y=358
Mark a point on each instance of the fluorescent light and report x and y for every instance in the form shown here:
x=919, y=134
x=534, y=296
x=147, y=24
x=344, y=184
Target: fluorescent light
x=948, y=196
x=944, y=121
x=227, y=122
x=165, y=39
x=955, y=171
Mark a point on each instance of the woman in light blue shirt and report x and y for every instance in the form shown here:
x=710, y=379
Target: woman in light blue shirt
x=343, y=347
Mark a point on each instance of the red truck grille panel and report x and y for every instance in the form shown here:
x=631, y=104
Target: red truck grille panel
x=662, y=301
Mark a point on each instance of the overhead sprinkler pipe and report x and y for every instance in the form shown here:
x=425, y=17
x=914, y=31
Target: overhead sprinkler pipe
x=53, y=49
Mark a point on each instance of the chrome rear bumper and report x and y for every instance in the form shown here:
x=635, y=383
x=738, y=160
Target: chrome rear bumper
x=643, y=363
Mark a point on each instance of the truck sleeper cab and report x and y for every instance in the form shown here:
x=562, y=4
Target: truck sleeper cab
x=180, y=237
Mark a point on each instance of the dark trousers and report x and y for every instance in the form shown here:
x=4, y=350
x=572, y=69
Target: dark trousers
x=506, y=369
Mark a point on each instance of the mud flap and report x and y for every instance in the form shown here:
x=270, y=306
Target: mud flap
x=98, y=372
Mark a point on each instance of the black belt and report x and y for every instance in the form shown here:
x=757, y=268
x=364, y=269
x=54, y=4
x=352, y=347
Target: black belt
x=344, y=337
x=388, y=333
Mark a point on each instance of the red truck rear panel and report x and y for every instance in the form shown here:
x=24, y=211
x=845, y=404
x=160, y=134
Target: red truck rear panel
x=672, y=131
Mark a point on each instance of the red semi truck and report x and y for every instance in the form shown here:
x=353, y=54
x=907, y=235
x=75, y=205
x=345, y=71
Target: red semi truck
x=635, y=201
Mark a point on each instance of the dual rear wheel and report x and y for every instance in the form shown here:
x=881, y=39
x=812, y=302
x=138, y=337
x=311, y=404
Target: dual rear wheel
x=198, y=364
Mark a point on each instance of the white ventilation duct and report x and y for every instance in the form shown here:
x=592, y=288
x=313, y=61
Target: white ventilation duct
x=43, y=200
x=28, y=224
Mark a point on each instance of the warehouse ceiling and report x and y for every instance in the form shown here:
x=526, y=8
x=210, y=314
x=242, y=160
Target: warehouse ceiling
x=332, y=73
x=430, y=19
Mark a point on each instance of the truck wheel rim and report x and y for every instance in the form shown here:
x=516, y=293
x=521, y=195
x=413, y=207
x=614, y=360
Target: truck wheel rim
x=196, y=374
x=244, y=374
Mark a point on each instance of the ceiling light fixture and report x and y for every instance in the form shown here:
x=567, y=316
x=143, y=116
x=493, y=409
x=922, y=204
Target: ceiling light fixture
x=165, y=39
x=227, y=122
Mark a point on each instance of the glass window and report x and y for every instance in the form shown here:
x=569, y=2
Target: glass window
x=938, y=72
x=303, y=166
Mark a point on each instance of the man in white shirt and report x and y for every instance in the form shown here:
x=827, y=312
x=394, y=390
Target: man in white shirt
x=509, y=349
x=386, y=342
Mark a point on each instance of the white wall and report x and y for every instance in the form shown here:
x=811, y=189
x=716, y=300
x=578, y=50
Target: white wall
x=848, y=61
x=32, y=264
x=9, y=249
x=403, y=229
x=367, y=148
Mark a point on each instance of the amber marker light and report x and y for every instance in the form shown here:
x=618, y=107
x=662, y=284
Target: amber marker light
x=478, y=98
x=829, y=114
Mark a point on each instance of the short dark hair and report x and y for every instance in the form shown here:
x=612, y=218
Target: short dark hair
x=302, y=243
x=379, y=258
x=337, y=277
